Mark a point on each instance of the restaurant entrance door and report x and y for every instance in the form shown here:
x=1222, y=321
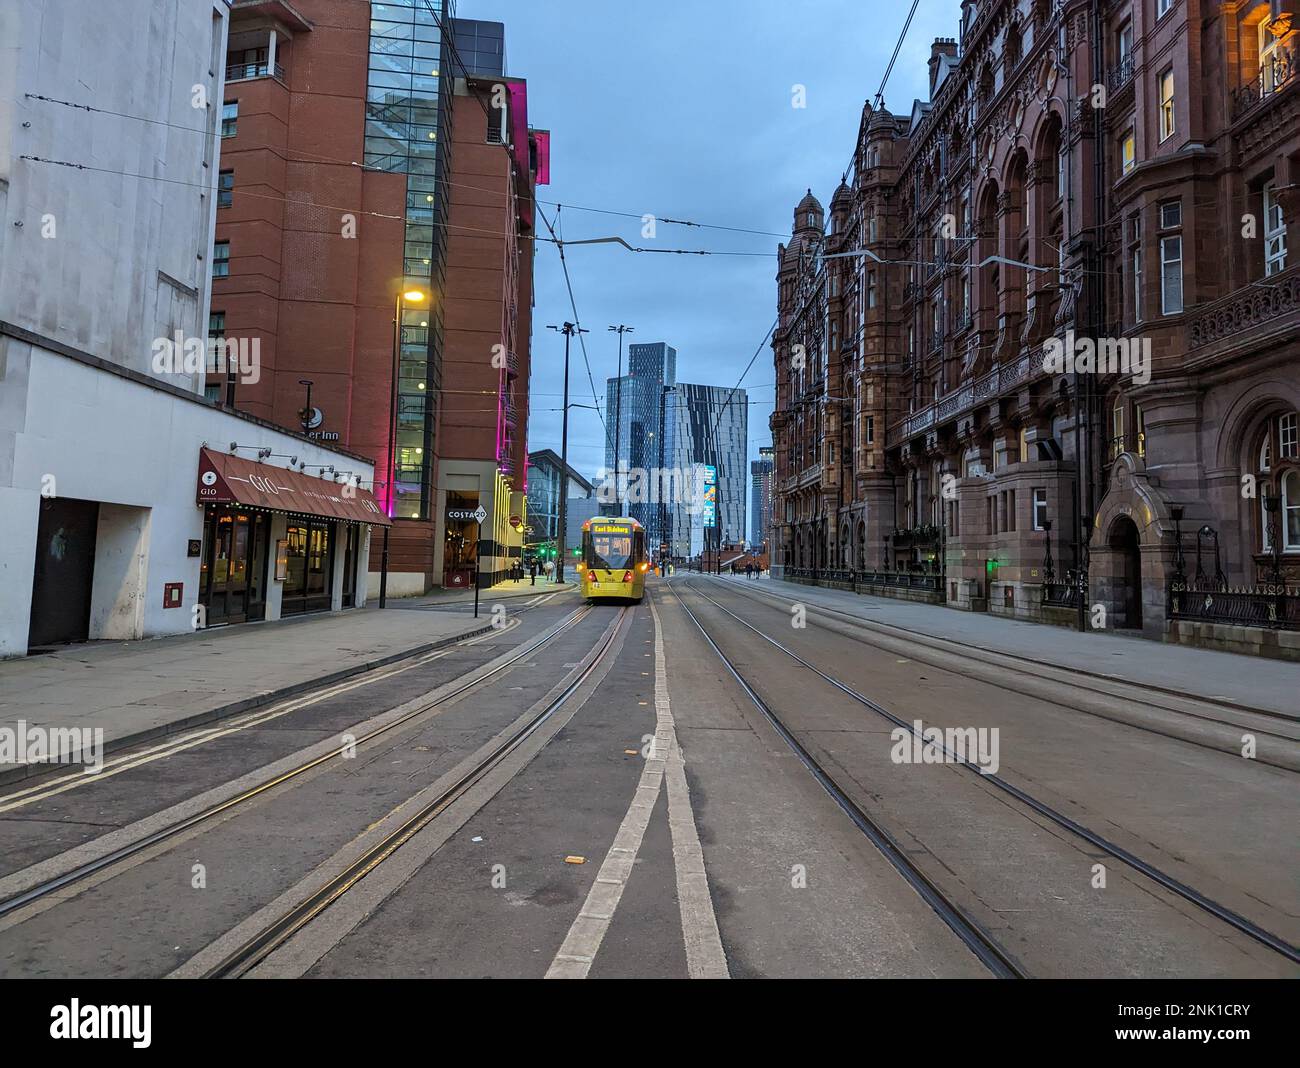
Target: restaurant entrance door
x=308, y=579
x=232, y=577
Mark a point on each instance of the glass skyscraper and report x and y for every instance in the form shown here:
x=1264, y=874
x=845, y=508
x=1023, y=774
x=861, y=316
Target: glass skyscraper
x=704, y=426
x=634, y=411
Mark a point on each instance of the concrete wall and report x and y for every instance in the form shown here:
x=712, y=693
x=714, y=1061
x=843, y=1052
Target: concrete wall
x=111, y=258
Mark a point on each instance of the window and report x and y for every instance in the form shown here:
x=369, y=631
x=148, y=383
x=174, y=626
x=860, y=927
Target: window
x=1167, y=104
x=871, y=229
x=1287, y=436
x=871, y=430
x=212, y=394
x=1040, y=508
x=229, y=118
x=1171, y=215
x=1137, y=283
x=226, y=189
x=1124, y=43
x=1127, y=152
x=1117, y=428
x=1291, y=510
x=1274, y=232
x=1062, y=172
x=221, y=259
x=1162, y=7
x=1171, y=275
x=871, y=289
x=1024, y=444
x=1274, y=68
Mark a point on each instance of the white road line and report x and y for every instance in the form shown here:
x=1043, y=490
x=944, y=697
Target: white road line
x=705, y=958
x=704, y=955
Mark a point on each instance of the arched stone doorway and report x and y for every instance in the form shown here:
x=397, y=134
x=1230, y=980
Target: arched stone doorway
x=1125, y=542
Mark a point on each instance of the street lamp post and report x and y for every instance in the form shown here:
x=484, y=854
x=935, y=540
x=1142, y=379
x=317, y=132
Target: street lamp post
x=409, y=296
x=620, y=330
x=568, y=330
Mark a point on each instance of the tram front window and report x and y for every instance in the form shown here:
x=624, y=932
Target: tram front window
x=610, y=551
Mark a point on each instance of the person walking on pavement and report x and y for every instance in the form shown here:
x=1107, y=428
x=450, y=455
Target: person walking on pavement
x=532, y=573
x=550, y=569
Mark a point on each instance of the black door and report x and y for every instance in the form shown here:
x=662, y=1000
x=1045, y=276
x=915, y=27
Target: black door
x=1126, y=540
x=65, y=567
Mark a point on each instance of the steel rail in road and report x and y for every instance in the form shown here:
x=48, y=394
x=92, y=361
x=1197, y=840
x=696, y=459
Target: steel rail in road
x=274, y=935
x=91, y=867
x=971, y=933
x=1187, y=893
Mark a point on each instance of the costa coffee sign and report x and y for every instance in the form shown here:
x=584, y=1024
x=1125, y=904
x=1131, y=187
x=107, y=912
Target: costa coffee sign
x=227, y=479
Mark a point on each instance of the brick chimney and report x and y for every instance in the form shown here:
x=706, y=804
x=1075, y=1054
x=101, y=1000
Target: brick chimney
x=943, y=46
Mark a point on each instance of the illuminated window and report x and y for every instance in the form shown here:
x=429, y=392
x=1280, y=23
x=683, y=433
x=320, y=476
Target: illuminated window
x=1167, y=104
x=1128, y=152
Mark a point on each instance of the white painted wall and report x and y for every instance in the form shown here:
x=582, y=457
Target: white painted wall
x=106, y=438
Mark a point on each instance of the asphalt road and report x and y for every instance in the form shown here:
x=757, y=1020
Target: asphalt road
x=616, y=805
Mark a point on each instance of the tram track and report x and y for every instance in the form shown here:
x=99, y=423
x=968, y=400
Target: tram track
x=1278, y=730
x=133, y=755
x=55, y=884
x=1144, y=868
x=256, y=948
x=997, y=959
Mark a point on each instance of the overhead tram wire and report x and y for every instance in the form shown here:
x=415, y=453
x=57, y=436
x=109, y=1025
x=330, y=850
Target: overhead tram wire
x=577, y=321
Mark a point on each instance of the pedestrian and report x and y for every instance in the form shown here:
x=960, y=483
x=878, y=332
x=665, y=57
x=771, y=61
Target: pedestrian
x=532, y=572
x=550, y=568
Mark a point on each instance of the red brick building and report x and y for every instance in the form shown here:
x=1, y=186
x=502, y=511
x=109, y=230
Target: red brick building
x=341, y=196
x=482, y=442
x=1120, y=176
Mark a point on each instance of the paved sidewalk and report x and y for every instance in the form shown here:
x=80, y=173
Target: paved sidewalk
x=143, y=689
x=1258, y=682
x=502, y=590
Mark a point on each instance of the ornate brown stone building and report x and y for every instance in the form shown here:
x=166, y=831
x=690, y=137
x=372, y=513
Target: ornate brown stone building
x=1110, y=183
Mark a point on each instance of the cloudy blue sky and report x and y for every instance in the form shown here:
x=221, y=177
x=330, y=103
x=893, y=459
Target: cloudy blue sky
x=682, y=109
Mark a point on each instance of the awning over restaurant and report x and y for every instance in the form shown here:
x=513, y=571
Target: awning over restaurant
x=228, y=479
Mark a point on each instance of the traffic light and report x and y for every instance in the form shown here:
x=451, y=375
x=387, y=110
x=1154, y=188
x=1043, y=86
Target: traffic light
x=990, y=568
x=577, y=552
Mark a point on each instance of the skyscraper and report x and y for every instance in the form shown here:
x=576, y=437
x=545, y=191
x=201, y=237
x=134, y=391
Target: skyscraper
x=634, y=412
x=760, y=505
x=703, y=427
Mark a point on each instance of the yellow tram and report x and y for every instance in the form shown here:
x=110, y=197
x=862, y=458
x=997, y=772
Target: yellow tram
x=614, y=559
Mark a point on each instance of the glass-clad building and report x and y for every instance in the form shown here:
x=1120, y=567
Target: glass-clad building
x=634, y=409
x=408, y=132
x=705, y=427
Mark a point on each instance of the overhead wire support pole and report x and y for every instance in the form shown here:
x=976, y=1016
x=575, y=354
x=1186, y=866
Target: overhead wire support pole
x=568, y=330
